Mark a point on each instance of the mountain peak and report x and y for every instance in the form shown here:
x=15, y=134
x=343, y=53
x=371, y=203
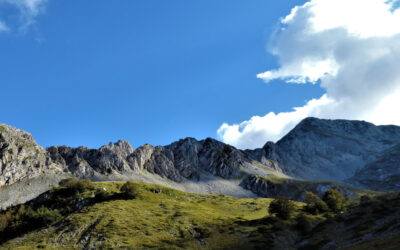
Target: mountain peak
x=322, y=149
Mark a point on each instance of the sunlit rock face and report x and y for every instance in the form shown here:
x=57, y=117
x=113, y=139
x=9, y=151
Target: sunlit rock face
x=335, y=150
x=184, y=159
x=21, y=158
x=84, y=162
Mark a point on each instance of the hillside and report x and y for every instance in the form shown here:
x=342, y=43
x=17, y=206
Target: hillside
x=89, y=215
x=373, y=224
x=157, y=217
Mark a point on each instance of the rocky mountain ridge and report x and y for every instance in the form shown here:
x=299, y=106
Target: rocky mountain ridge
x=179, y=161
x=353, y=152
x=206, y=166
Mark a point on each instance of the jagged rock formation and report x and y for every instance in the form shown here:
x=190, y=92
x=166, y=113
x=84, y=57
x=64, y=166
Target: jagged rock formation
x=206, y=166
x=217, y=158
x=83, y=162
x=334, y=150
x=21, y=158
x=181, y=160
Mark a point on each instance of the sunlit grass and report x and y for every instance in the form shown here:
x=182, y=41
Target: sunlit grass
x=159, y=217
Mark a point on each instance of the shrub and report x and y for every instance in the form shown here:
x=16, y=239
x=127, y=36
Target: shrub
x=334, y=199
x=282, y=207
x=311, y=198
x=22, y=219
x=45, y=216
x=101, y=195
x=314, y=204
x=73, y=186
x=68, y=182
x=5, y=220
x=129, y=190
x=303, y=224
x=85, y=184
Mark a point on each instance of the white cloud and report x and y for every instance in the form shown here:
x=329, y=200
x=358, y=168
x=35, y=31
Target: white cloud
x=258, y=130
x=352, y=47
x=28, y=11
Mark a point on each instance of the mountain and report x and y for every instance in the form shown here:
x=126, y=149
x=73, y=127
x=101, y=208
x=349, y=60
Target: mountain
x=205, y=194
x=206, y=166
x=184, y=160
x=333, y=150
x=316, y=154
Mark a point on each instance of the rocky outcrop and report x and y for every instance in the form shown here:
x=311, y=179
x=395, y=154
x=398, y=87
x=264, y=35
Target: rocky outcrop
x=156, y=160
x=28, y=170
x=206, y=166
x=272, y=186
x=181, y=160
x=217, y=158
x=318, y=149
x=21, y=158
x=83, y=162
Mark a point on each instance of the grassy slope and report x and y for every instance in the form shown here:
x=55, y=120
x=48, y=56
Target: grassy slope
x=159, y=217
x=164, y=218
x=295, y=189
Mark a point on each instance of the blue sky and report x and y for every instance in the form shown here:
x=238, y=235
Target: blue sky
x=91, y=72
x=244, y=72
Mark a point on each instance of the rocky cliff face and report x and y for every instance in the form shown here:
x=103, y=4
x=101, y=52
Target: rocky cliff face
x=216, y=158
x=333, y=150
x=83, y=162
x=21, y=158
x=181, y=160
x=336, y=150
x=200, y=166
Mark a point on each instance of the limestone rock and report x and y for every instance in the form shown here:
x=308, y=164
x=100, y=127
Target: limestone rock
x=184, y=159
x=191, y=156
x=318, y=149
x=20, y=157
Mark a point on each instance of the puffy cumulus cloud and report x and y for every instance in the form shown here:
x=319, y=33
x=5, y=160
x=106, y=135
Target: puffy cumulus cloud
x=352, y=47
x=256, y=131
x=28, y=11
